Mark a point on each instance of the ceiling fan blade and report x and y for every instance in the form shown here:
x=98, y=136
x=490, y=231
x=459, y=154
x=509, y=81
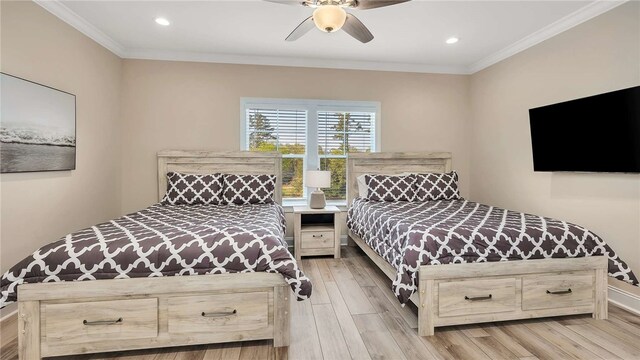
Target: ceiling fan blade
x=301, y=29
x=356, y=28
x=288, y=2
x=372, y=4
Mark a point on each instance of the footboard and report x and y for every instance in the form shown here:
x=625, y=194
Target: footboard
x=112, y=315
x=485, y=292
x=457, y=294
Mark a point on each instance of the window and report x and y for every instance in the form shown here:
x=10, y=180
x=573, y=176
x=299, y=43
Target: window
x=283, y=131
x=310, y=134
x=339, y=133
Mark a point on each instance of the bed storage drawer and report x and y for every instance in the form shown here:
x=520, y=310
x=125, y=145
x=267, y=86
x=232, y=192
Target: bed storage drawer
x=86, y=322
x=220, y=313
x=471, y=297
x=557, y=290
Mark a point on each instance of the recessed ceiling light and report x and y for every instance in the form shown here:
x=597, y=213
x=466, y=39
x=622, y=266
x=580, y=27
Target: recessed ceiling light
x=452, y=40
x=162, y=21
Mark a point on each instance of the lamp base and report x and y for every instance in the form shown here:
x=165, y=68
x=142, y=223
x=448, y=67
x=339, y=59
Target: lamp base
x=317, y=200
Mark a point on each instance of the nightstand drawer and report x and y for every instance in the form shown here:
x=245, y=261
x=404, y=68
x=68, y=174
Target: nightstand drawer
x=317, y=239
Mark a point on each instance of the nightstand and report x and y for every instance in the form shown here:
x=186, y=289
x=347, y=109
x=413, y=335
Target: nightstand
x=316, y=231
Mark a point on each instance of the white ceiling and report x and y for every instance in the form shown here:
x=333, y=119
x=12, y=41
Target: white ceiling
x=408, y=37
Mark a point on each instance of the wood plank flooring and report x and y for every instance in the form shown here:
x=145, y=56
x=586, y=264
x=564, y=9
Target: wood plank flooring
x=353, y=315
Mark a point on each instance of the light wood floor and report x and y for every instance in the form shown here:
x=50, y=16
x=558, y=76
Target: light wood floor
x=353, y=315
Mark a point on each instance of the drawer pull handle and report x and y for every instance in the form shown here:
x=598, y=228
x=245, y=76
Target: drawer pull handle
x=477, y=298
x=219, y=314
x=559, y=292
x=318, y=236
x=102, y=322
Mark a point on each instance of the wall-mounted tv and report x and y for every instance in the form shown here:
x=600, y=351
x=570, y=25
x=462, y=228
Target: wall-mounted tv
x=599, y=133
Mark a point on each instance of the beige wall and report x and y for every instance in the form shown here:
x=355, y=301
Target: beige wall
x=37, y=208
x=184, y=105
x=598, y=56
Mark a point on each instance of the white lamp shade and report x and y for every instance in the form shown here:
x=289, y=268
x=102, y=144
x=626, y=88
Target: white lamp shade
x=318, y=178
x=329, y=18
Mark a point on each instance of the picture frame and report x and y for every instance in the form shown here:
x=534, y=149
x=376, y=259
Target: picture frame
x=37, y=127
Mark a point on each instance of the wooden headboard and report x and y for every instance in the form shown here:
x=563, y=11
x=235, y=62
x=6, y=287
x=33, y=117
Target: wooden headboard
x=209, y=162
x=392, y=163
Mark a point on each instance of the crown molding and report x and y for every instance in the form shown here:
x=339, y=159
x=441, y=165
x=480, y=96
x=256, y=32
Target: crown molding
x=583, y=14
x=146, y=54
x=65, y=14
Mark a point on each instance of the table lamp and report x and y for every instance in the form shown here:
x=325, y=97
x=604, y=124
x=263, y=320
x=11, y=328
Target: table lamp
x=318, y=179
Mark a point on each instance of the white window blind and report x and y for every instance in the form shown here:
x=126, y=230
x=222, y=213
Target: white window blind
x=310, y=134
x=340, y=133
x=285, y=131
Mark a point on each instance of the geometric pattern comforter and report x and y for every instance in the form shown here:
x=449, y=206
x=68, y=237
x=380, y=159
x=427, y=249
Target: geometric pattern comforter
x=166, y=240
x=410, y=234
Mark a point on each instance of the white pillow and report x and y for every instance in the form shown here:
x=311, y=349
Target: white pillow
x=363, y=190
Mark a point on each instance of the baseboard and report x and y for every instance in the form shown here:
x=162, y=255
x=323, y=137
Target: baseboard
x=8, y=311
x=624, y=299
x=8, y=328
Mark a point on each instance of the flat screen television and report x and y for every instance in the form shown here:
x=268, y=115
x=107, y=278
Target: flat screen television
x=598, y=133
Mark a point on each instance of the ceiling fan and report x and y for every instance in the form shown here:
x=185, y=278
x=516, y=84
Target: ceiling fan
x=330, y=16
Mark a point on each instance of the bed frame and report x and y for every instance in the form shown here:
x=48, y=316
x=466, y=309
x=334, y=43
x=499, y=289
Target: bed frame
x=457, y=294
x=68, y=318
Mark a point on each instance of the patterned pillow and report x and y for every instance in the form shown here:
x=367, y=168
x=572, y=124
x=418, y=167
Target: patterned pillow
x=249, y=189
x=190, y=189
x=362, y=184
x=436, y=186
x=390, y=187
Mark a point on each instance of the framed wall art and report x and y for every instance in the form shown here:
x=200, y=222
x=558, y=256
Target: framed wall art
x=37, y=127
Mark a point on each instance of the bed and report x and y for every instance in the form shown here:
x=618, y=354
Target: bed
x=245, y=274
x=451, y=257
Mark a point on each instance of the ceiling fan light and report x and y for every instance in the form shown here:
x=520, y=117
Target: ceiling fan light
x=329, y=18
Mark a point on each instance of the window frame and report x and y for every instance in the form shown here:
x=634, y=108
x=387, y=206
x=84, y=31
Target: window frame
x=312, y=107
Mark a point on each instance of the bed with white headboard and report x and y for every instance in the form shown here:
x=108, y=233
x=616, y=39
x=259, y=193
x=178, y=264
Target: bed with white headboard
x=75, y=317
x=448, y=294
x=229, y=162
x=393, y=163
